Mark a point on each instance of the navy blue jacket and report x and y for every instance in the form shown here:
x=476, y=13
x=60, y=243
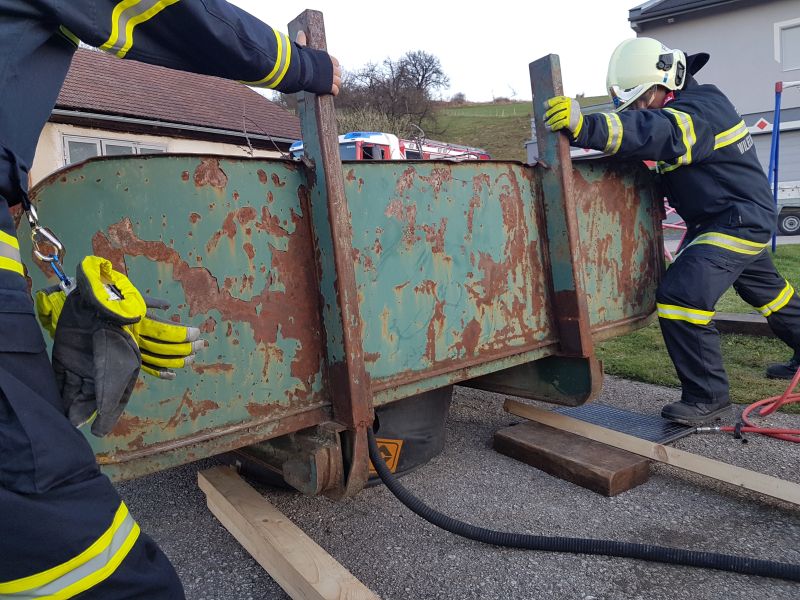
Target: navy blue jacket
x=211, y=37
x=39, y=37
x=704, y=154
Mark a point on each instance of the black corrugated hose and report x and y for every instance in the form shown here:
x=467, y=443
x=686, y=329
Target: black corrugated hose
x=674, y=556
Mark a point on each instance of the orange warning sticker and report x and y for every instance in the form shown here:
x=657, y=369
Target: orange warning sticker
x=390, y=450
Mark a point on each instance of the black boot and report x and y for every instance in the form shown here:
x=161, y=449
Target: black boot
x=785, y=370
x=697, y=413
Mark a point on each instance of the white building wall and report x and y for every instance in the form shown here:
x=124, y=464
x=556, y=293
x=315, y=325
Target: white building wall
x=742, y=44
x=50, y=153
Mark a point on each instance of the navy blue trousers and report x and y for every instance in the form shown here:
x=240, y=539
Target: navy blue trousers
x=686, y=299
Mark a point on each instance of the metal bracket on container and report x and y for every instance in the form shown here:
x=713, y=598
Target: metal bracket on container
x=348, y=381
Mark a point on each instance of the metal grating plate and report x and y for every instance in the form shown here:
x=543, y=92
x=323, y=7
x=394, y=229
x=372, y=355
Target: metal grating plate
x=647, y=427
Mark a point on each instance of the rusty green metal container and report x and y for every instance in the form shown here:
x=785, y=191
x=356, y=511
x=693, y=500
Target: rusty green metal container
x=326, y=289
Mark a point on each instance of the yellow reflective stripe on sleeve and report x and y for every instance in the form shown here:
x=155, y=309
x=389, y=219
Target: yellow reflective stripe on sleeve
x=84, y=571
x=282, y=60
x=9, y=240
x=682, y=313
x=69, y=35
x=729, y=242
x=125, y=17
x=614, y=133
x=779, y=302
x=689, y=137
x=10, y=259
x=9, y=264
x=730, y=136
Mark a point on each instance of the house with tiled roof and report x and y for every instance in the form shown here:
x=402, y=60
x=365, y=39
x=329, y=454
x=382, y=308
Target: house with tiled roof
x=753, y=44
x=109, y=106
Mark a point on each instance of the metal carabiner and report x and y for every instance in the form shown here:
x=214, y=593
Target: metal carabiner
x=42, y=235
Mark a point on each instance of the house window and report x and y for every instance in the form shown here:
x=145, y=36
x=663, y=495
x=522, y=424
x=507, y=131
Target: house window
x=78, y=148
x=787, y=44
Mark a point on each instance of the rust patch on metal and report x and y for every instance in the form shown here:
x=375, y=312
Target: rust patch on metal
x=471, y=337
x=351, y=175
x=257, y=410
x=185, y=175
x=438, y=178
x=262, y=176
x=491, y=292
x=194, y=217
x=208, y=172
x=405, y=214
x=435, y=236
x=209, y=325
x=610, y=200
x=372, y=357
x=128, y=424
x=293, y=311
x=406, y=181
x=436, y=323
x=246, y=214
x=102, y=247
x=478, y=182
x=271, y=224
x=276, y=181
x=249, y=250
x=195, y=409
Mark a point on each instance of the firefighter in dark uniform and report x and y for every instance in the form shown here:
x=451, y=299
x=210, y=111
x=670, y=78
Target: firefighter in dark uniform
x=64, y=532
x=712, y=177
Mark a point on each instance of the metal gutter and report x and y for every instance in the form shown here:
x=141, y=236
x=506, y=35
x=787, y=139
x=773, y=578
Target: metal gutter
x=666, y=14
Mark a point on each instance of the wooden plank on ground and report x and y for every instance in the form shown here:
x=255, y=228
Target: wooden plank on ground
x=737, y=476
x=590, y=464
x=300, y=566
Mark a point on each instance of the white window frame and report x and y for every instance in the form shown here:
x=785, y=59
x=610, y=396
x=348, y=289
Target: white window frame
x=84, y=140
x=779, y=27
x=101, y=142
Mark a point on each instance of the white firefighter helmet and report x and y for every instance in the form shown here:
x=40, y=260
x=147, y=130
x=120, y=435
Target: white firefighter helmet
x=640, y=63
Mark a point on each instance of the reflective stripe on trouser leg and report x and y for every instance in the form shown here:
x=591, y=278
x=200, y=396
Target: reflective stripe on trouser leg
x=761, y=286
x=61, y=524
x=686, y=298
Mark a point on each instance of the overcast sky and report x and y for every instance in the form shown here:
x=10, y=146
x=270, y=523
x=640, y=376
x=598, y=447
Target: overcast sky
x=484, y=48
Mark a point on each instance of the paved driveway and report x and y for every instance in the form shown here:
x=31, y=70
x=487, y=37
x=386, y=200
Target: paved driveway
x=399, y=556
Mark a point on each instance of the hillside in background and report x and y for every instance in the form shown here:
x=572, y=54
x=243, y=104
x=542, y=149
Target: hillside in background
x=501, y=128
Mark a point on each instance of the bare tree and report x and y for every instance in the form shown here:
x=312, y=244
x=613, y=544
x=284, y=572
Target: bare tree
x=406, y=86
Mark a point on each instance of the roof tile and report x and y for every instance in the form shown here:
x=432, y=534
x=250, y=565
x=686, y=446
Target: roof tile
x=97, y=82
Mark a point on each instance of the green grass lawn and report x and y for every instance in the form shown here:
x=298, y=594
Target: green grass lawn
x=642, y=355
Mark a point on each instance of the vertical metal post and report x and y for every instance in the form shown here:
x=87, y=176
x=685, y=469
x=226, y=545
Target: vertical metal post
x=569, y=306
x=347, y=377
x=772, y=172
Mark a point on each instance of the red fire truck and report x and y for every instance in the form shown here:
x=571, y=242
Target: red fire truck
x=373, y=145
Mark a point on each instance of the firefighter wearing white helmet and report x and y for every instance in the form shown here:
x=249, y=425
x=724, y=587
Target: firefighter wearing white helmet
x=707, y=164
x=640, y=64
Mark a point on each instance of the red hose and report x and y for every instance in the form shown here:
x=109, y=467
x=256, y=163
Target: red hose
x=769, y=406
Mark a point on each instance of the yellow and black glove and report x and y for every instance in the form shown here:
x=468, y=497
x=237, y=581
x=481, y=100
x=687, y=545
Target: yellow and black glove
x=563, y=113
x=164, y=345
x=96, y=359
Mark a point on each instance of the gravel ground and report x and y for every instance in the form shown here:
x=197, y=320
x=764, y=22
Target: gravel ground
x=399, y=556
